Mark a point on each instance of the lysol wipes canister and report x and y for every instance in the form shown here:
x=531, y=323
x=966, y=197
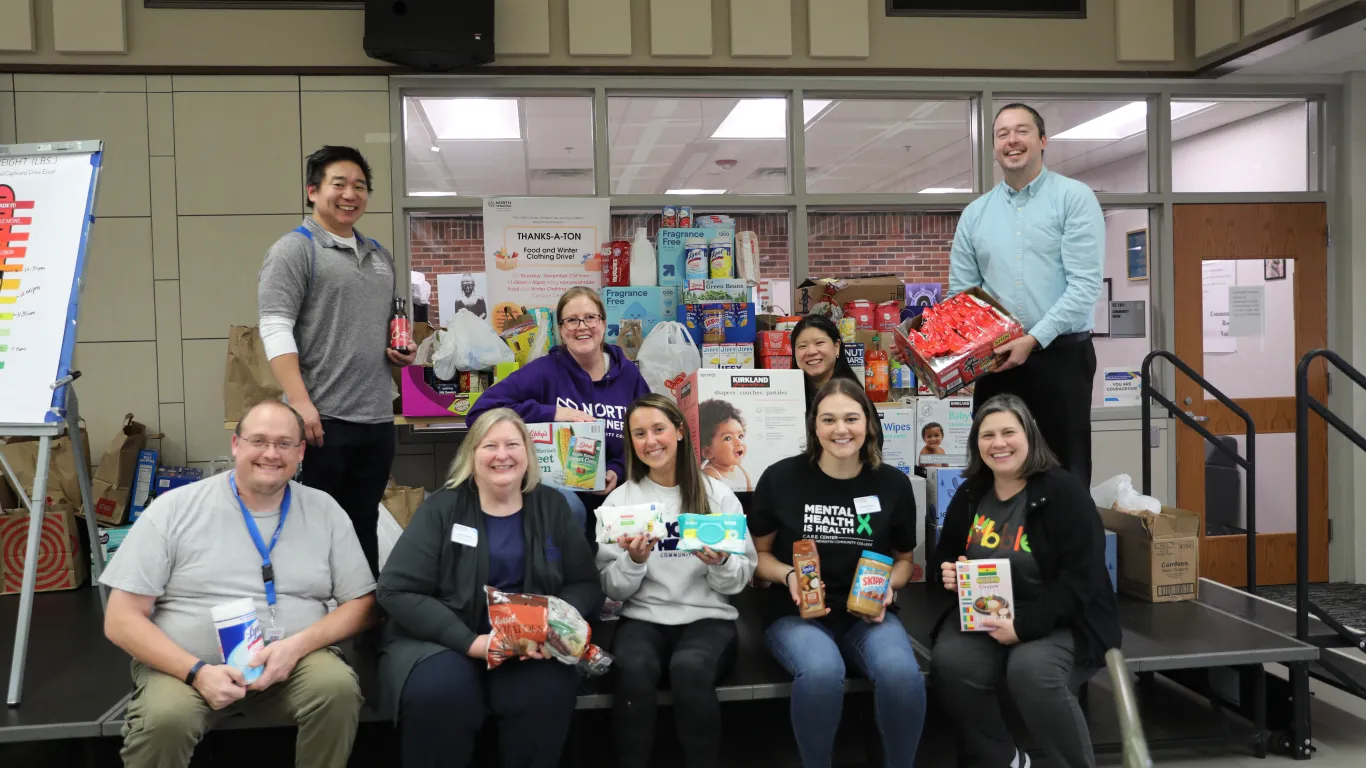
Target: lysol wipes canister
x=239, y=635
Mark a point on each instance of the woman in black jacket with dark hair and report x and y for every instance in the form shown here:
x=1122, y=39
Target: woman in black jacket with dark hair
x=819, y=353
x=1019, y=505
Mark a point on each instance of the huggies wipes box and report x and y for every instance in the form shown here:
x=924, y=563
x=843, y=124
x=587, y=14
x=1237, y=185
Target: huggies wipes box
x=984, y=592
x=944, y=427
x=571, y=454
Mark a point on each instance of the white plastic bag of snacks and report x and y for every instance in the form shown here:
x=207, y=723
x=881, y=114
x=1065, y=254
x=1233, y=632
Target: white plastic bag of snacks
x=523, y=623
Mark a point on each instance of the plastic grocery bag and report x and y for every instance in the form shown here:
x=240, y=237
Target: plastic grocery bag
x=540, y=346
x=428, y=348
x=747, y=256
x=469, y=344
x=667, y=356
x=1118, y=494
x=523, y=623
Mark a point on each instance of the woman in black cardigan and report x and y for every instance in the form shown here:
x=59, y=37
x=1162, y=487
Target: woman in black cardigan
x=1019, y=505
x=493, y=524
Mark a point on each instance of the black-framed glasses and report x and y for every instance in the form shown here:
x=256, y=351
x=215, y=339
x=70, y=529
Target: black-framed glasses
x=587, y=321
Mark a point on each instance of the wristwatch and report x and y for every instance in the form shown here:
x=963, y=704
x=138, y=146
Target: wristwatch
x=198, y=665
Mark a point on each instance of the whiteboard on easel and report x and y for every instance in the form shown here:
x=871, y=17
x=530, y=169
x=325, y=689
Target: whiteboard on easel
x=47, y=199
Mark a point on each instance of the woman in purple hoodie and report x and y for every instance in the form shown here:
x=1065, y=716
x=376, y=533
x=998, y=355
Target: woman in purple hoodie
x=582, y=379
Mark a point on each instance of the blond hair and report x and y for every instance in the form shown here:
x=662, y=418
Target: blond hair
x=462, y=468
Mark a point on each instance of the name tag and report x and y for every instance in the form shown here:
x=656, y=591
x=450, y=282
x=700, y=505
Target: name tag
x=865, y=505
x=463, y=534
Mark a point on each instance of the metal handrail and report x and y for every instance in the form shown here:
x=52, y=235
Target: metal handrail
x=1132, y=741
x=1304, y=402
x=1148, y=394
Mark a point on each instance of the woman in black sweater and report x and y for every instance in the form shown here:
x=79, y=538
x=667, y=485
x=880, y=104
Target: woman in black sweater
x=1019, y=505
x=493, y=524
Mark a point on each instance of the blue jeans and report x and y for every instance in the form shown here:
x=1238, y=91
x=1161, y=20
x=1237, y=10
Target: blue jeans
x=576, y=507
x=815, y=653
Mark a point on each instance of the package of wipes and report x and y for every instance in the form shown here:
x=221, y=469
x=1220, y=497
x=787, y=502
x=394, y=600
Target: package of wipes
x=630, y=520
x=722, y=533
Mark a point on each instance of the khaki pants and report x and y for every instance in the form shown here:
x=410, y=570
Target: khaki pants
x=167, y=718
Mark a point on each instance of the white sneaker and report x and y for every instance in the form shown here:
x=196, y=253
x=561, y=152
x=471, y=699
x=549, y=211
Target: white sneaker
x=1021, y=759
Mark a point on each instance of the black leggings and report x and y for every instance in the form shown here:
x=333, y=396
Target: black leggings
x=448, y=696
x=352, y=466
x=696, y=657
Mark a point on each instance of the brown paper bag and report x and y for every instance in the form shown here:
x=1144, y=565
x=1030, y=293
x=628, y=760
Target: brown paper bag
x=403, y=502
x=62, y=482
x=112, y=485
x=247, y=378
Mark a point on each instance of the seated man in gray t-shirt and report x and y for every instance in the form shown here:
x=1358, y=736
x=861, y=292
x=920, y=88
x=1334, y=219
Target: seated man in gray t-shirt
x=193, y=549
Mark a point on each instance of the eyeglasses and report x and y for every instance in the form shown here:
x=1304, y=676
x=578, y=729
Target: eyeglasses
x=260, y=443
x=587, y=321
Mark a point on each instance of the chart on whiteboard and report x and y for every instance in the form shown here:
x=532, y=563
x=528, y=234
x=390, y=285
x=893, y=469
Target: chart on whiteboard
x=43, y=201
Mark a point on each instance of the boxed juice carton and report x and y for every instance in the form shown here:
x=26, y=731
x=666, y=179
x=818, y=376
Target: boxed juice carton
x=945, y=426
x=642, y=303
x=727, y=355
x=669, y=248
x=899, y=436
x=984, y=592
x=941, y=483
x=743, y=422
x=571, y=454
x=985, y=325
x=1158, y=555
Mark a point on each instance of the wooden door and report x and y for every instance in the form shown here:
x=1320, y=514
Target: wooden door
x=1297, y=233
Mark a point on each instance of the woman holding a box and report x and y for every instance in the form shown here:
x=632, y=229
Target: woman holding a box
x=1018, y=505
x=840, y=496
x=676, y=617
x=495, y=525
x=582, y=379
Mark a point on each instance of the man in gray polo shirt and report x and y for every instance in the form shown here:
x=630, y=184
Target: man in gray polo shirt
x=326, y=294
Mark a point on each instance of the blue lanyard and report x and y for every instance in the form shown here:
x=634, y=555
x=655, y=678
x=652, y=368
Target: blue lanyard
x=267, y=571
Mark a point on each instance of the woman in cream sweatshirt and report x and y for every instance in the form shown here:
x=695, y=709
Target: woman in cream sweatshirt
x=675, y=614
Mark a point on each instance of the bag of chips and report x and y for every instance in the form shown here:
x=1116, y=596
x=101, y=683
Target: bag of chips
x=524, y=623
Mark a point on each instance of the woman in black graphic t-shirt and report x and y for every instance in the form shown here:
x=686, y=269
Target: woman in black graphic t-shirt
x=1018, y=505
x=840, y=495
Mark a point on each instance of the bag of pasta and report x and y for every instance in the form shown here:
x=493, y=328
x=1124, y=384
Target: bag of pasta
x=524, y=623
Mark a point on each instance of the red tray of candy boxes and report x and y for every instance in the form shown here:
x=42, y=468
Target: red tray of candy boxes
x=952, y=343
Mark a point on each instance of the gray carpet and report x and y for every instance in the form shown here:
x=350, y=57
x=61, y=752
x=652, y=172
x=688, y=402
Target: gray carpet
x=1343, y=601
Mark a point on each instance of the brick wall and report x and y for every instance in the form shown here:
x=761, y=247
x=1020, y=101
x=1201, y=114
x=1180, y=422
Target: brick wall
x=914, y=246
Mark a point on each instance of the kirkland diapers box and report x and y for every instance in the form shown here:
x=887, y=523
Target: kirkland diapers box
x=571, y=454
x=899, y=436
x=743, y=422
x=944, y=429
x=1159, y=555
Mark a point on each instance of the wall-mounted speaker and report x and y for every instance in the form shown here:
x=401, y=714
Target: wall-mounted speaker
x=432, y=35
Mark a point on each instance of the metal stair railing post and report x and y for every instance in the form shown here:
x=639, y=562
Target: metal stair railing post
x=1132, y=741
x=1147, y=393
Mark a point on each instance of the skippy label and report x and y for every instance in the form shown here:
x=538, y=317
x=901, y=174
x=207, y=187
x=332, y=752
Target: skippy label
x=239, y=636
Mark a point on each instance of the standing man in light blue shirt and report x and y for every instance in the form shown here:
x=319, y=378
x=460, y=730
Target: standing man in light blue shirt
x=1036, y=243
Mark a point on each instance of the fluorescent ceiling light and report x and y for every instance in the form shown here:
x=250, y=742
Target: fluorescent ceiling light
x=1129, y=120
x=943, y=191
x=474, y=119
x=696, y=192
x=763, y=118
x=432, y=194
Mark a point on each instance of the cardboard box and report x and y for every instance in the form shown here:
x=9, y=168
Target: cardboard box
x=110, y=541
x=1159, y=555
x=877, y=289
x=61, y=564
x=669, y=300
x=984, y=591
x=729, y=289
x=728, y=356
x=947, y=375
x=571, y=454
x=923, y=548
x=777, y=362
x=669, y=248
x=953, y=417
x=853, y=355
x=643, y=303
x=424, y=395
x=170, y=478
x=899, y=436
x=1112, y=558
x=771, y=406
x=941, y=483
x=143, y=479
x=775, y=343
x=740, y=324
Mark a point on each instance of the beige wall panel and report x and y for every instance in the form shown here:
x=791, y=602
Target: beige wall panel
x=838, y=28
x=1145, y=30
x=173, y=427
x=1307, y=4
x=681, y=27
x=366, y=125
x=7, y=118
x=160, y=84
x=521, y=27
x=117, y=377
x=118, y=119
x=85, y=83
x=344, y=83
x=16, y=34
x=248, y=83
x=600, y=27
x=220, y=258
x=6, y=80
x=165, y=246
x=160, y=125
x=1262, y=14
x=170, y=367
x=761, y=27
x=415, y=471
x=89, y=26
x=1216, y=25
x=205, y=438
x=116, y=298
x=237, y=153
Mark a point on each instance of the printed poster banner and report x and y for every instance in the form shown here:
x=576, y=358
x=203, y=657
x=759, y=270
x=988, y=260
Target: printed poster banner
x=536, y=248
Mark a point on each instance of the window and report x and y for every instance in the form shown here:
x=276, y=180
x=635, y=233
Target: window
x=1260, y=145
x=1103, y=143
x=471, y=147
x=698, y=146
x=888, y=145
